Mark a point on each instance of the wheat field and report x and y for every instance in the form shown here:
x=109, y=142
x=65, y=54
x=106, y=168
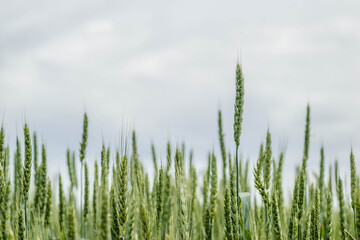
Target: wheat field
x=123, y=202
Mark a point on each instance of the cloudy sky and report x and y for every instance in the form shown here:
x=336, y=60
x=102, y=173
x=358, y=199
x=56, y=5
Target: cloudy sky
x=166, y=67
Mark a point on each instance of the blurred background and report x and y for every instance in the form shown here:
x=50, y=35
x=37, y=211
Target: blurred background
x=165, y=68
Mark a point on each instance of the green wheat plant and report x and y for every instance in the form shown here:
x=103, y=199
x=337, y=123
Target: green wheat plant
x=123, y=194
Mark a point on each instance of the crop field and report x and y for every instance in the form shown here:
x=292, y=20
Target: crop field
x=232, y=201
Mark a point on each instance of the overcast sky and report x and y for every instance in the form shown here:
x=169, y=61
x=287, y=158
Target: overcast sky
x=166, y=67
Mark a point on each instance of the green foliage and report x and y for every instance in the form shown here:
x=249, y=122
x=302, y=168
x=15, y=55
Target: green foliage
x=315, y=218
x=48, y=204
x=159, y=203
x=328, y=220
x=61, y=204
x=86, y=196
x=95, y=194
x=321, y=184
x=278, y=183
x=180, y=193
x=239, y=103
x=341, y=201
x=233, y=204
x=293, y=228
x=227, y=212
x=122, y=191
x=71, y=233
x=222, y=144
x=84, y=139
x=21, y=225
x=35, y=151
x=104, y=219
x=307, y=227
x=267, y=160
x=213, y=192
x=307, y=138
x=27, y=164
x=130, y=201
x=275, y=218
x=115, y=230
